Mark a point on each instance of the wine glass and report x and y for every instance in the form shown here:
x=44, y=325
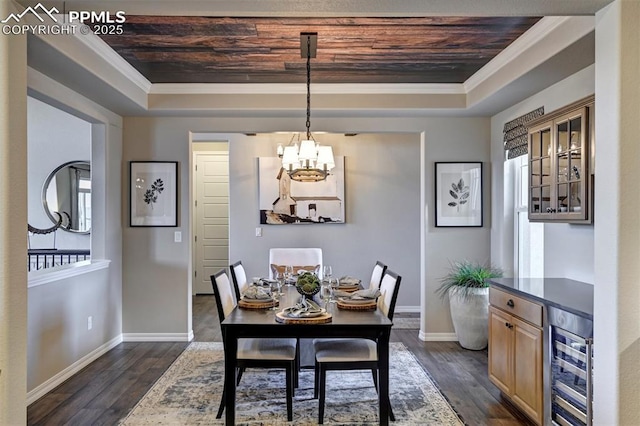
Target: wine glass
x=288, y=274
x=326, y=271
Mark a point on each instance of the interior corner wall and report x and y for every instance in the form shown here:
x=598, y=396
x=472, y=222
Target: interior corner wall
x=156, y=285
x=13, y=244
x=568, y=248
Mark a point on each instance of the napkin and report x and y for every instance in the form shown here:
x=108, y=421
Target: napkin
x=368, y=293
x=348, y=281
x=304, y=308
x=256, y=293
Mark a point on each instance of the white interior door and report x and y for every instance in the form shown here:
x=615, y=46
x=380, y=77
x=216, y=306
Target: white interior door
x=211, y=243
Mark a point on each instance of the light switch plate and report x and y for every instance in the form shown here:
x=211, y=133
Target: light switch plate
x=177, y=237
x=258, y=232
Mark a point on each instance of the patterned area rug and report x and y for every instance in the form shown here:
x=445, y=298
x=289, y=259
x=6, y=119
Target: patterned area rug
x=406, y=323
x=189, y=393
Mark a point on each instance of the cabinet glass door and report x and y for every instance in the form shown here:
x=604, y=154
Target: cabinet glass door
x=540, y=175
x=569, y=194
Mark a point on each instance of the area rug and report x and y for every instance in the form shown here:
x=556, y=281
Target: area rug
x=189, y=393
x=406, y=323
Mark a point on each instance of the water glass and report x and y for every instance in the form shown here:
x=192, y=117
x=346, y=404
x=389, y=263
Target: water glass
x=275, y=294
x=280, y=279
x=288, y=275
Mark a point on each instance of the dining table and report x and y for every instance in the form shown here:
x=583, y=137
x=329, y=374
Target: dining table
x=262, y=323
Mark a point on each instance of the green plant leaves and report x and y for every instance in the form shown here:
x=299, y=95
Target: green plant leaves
x=465, y=275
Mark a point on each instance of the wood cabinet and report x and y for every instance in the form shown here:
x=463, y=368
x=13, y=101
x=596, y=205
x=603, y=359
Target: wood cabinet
x=515, y=351
x=561, y=164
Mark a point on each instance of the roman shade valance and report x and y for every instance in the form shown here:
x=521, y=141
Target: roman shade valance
x=515, y=134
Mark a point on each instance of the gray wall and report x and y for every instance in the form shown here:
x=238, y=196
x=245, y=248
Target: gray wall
x=568, y=249
x=382, y=190
x=57, y=311
x=156, y=285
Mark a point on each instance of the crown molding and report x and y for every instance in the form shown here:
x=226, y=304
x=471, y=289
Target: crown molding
x=527, y=40
x=103, y=50
x=317, y=88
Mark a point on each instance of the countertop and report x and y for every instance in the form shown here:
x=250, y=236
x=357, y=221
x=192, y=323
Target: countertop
x=568, y=295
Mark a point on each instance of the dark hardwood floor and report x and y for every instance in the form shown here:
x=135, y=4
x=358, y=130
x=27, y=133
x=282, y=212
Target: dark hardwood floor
x=106, y=390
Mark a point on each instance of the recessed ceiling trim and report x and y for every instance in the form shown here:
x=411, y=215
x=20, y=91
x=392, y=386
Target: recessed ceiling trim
x=105, y=51
x=540, y=30
x=297, y=88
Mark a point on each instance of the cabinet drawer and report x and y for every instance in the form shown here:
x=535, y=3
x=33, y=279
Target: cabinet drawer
x=518, y=306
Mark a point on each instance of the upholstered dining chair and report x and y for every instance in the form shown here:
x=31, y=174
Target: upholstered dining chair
x=377, y=274
x=239, y=277
x=255, y=352
x=306, y=258
x=354, y=354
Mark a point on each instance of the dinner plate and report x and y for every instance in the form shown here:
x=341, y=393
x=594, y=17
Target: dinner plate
x=348, y=301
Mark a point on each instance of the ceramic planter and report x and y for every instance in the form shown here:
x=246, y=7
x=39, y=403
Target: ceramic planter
x=470, y=317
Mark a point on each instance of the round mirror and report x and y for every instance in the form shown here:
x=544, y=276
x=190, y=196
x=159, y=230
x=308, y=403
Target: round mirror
x=67, y=192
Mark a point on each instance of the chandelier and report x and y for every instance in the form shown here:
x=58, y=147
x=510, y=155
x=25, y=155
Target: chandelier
x=309, y=161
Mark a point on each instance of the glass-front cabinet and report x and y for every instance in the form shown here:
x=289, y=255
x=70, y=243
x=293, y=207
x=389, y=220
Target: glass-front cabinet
x=560, y=164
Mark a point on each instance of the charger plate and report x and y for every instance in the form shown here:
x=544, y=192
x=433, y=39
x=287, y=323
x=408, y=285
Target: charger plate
x=320, y=319
x=257, y=304
x=370, y=305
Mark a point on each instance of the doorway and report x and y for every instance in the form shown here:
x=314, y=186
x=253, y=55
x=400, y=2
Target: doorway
x=210, y=213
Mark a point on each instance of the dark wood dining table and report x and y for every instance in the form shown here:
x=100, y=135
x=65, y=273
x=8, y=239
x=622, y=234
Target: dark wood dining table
x=241, y=323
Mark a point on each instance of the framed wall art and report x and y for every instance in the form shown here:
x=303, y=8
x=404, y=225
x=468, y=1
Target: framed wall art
x=458, y=194
x=286, y=201
x=153, y=193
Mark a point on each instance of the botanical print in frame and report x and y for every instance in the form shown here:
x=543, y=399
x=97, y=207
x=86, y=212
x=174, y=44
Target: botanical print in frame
x=153, y=193
x=283, y=200
x=458, y=194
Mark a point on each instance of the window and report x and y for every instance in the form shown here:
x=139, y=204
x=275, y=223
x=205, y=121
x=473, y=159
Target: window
x=529, y=237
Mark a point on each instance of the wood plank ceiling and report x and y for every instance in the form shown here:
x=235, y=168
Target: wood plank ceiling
x=193, y=49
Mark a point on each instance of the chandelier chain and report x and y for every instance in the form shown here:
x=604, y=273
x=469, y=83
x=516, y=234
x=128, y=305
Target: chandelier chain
x=308, y=87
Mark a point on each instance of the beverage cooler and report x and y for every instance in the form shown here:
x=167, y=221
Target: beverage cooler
x=571, y=358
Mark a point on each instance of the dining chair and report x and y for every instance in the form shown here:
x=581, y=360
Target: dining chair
x=239, y=277
x=298, y=256
x=354, y=354
x=255, y=352
x=377, y=274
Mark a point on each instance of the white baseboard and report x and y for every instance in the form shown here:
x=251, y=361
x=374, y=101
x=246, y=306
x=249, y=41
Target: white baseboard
x=437, y=337
x=408, y=309
x=44, y=388
x=157, y=337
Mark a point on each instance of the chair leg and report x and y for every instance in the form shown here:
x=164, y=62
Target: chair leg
x=240, y=371
x=374, y=374
x=316, y=380
x=221, y=408
x=321, y=386
x=289, y=379
x=391, y=415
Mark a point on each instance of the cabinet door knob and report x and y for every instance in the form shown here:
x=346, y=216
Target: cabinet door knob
x=510, y=303
x=550, y=210
x=506, y=324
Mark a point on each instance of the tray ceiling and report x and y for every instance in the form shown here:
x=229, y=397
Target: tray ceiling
x=193, y=49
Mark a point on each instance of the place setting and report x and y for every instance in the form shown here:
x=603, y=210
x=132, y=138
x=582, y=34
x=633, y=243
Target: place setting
x=359, y=300
x=258, y=297
x=306, y=310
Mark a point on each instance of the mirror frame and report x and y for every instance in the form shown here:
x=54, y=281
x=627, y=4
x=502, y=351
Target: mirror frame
x=45, y=204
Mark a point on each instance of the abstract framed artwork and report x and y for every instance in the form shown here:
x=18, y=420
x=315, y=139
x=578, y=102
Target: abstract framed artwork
x=286, y=201
x=458, y=194
x=153, y=193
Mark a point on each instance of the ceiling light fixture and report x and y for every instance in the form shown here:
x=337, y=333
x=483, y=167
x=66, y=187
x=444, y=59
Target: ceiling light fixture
x=310, y=161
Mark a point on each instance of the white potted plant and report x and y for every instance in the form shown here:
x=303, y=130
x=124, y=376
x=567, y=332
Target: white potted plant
x=467, y=287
